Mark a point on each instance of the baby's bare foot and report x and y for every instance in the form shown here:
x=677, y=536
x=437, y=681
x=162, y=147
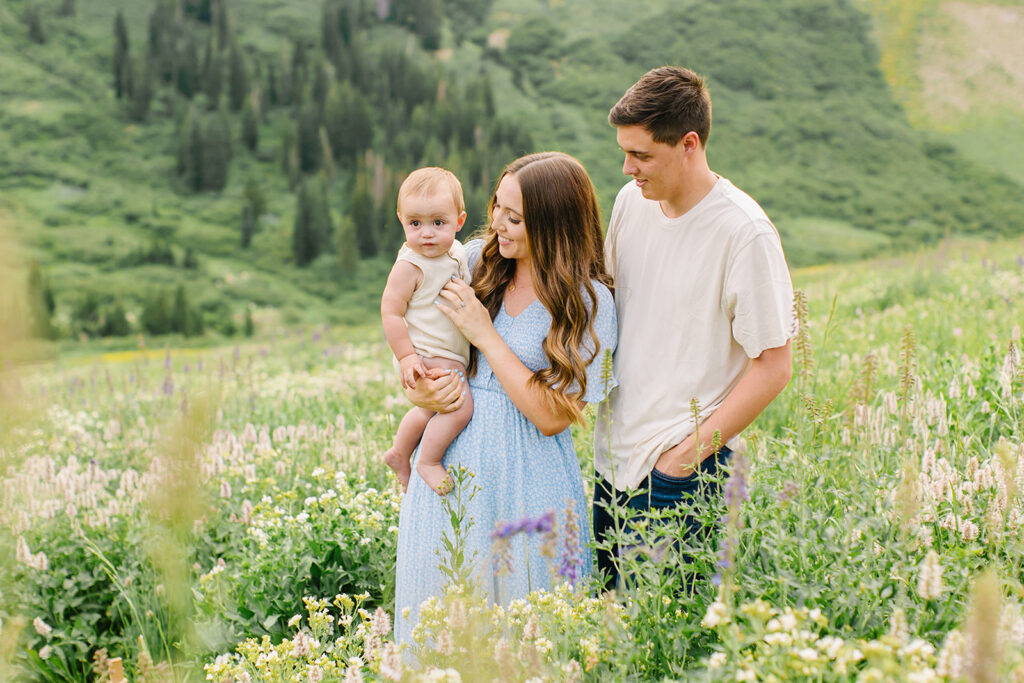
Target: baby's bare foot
x=436, y=477
x=400, y=464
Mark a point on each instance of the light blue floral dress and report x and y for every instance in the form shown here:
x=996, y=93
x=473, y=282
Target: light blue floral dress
x=520, y=472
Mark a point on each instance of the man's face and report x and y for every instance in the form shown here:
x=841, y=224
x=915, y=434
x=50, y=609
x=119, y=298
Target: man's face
x=657, y=167
x=430, y=223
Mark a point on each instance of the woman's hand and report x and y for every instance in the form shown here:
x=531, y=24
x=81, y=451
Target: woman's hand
x=468, y=314
x=441, y=391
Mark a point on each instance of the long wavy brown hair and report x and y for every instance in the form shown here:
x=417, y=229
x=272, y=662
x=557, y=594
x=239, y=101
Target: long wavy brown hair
x=563, y=233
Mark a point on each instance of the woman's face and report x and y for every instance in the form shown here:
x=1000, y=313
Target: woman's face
x=507, y=219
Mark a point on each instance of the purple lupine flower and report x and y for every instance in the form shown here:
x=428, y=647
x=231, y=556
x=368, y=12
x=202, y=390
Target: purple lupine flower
x=168, y=386
x=263, y=352
x=527, y=525
x=199, y=365
x=186, y=368
x=1020, y=261
x=735, y=489
x=570, y=563
x=316, y=336
x=167, y=359
x=789, y=491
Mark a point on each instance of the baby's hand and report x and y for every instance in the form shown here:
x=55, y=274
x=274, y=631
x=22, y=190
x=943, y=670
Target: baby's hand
x=412, y=368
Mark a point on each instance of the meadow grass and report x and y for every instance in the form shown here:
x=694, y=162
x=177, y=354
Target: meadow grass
x=228, y=507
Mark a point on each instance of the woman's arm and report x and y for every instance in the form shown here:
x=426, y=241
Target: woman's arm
x=473, y=320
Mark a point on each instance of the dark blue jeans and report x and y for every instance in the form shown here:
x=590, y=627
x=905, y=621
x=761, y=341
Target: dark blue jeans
x=658, y=491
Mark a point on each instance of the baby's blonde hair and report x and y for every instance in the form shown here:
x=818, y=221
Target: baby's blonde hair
x=431, y=180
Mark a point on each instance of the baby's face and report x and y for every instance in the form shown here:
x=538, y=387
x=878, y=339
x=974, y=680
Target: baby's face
x=430, y=223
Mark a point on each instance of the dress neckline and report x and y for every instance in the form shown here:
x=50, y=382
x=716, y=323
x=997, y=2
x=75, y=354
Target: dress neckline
x=528, y=307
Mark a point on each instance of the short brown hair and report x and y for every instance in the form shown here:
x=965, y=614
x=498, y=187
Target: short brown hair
x=668, y=102
x=431, y=180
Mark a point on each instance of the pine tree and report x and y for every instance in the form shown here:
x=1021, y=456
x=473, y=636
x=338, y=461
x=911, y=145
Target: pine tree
x=188, y=80
x=254, y=197
x=309, y=139
x=190, y=158
x=40, y=303
x=349, y=122
x=67, y=8
x=427, y=20
x=179, y=313
x=216, y=151
x=213, y=76
x=190, y=261
x=248, y=228
x=303, y=240
x=120, y=53
x=251, y=123
x=222, y=21
x=238, y=78
x=34, y=23
x=156, y=315
x=250, y=327
x=323, y=225
x=142, y=87
x=347, y=249
x=362, y=214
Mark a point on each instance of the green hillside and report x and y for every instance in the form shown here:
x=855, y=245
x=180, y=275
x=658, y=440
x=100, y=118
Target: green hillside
x=102, y=193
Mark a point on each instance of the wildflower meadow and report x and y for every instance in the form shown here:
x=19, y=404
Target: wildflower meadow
x=224, y=514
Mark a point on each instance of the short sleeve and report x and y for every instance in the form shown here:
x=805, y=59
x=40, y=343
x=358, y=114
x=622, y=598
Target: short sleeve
x=473, y=249
x=460, y=252
x=759, y=293
x=600, y=372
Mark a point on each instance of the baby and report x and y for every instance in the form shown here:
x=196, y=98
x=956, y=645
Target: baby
x=431, y=210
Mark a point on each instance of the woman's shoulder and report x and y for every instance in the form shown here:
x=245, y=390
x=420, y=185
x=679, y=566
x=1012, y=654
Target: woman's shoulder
x=473, y=249
x=602, y=292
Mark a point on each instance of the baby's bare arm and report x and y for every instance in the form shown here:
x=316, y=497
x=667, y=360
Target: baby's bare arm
x=402, y=282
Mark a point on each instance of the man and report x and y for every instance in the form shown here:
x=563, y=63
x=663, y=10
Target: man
x=704, y=303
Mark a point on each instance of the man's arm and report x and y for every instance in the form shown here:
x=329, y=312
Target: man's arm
x=765, y=379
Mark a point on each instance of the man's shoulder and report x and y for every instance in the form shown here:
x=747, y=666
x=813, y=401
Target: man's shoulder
x=740, y=213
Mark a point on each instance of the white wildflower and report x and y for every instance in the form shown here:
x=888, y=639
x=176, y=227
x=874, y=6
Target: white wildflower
x=716, y=614
x=45, y=652
x=42, y=628
x=929, y=577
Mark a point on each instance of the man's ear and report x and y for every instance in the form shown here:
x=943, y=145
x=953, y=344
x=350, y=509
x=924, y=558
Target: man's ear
x=462, y=219
x=690, y=141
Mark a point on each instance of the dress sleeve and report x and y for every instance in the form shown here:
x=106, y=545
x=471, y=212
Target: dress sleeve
x=600, y=374
x=473, y=249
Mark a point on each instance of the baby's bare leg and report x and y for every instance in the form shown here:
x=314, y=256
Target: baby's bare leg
x=410, y=430
x=439, y=434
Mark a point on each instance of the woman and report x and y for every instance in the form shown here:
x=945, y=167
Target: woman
x=540, y=317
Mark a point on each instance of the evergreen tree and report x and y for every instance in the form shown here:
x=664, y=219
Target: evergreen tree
x=34, y=23
x=427, y=21
x=40, y=303
x=190, y=261
x=321, y=82
x=347, y=248
x=251, y=123
x=213, y=76
x=156, y=315
x=309, y=139
x=180, y=314
x=250, y=328
x=190, y=151
x=303, y=239
x=349, y=122
x=254, y=197
x=216, y=151
x=120, y=53
x=200, y=10
x=362, y=214
x=189, y=80
x=67, y=8
x=142, y=87
x=248, y=228
x=273, y=96
x=222, y=21
x=238, y=78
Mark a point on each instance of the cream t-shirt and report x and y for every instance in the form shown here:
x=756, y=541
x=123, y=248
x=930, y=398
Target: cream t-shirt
x=697, y=297
x=432, y=334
